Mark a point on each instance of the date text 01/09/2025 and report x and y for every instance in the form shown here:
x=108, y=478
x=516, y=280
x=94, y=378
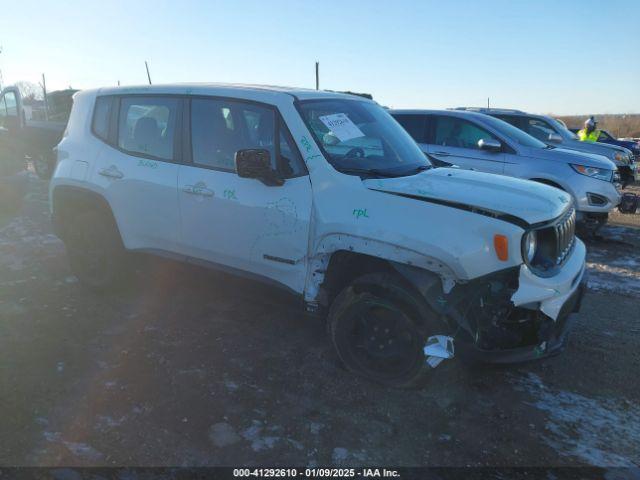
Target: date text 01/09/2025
x=315, y=473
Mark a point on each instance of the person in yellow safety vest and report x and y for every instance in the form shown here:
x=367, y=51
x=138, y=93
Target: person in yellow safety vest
x=589, y=133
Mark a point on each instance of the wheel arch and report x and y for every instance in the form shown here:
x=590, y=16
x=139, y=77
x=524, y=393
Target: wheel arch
x=342, y=258
x=67, y=200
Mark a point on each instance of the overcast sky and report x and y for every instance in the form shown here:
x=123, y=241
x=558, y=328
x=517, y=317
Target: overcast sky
x=544, y=56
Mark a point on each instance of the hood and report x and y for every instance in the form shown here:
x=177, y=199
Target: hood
x=571, y=156
x=513, y=199
x=605, y=149
x=629, y=145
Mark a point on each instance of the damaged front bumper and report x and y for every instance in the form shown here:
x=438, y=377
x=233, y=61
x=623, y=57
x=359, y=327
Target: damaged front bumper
x=551, y=336
x=507, y=316
x=544, y=311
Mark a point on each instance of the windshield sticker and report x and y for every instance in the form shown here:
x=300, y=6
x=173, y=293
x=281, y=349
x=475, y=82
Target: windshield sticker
x=341, y=126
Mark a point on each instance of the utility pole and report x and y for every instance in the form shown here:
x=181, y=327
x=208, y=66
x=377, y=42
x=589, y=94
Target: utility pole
x=148, y=74
x=1, y=80
x=44, y=95
x=317, y=75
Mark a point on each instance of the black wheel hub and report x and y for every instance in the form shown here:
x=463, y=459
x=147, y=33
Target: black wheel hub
x=383, y=339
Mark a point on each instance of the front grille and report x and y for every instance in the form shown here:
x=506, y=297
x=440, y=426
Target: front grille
x=565, y=235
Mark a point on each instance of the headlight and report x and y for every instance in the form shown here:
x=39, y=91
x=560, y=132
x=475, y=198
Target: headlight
x=617, y=156
x=530, y=246
x=593, y=172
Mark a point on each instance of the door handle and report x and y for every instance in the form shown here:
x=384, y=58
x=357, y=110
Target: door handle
x=199, y=188
x=111, y=172
x=442, y=154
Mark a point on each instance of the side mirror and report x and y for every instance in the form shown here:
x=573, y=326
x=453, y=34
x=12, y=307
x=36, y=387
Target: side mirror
x=489, y=144
x=256, y=163
x=555, y=138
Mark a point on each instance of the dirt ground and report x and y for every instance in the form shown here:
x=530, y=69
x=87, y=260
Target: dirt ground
x=192, y=367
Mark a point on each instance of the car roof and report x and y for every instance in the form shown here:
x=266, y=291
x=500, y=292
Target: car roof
x=453, y=113
x=257, y=92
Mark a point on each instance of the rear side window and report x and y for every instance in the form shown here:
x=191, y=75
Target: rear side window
x=511, y=119
x=455, y=132
x=415, y=125
x=147, y=126
x=102, y=117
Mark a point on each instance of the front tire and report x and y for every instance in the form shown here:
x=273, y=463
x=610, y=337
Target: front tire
x=96, y=253
x=378, y=325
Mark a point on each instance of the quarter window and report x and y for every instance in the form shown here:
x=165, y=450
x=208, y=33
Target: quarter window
x=146, y=126
x=102, y=116
x=455, y=132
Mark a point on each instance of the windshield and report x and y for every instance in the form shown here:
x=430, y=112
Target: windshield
x=359, y=137
x=514, y=134
x=562, y=129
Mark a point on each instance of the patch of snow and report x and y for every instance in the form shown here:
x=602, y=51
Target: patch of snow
x=222, y=435
x=601, y=432
x=339, y=454
x=83, y=450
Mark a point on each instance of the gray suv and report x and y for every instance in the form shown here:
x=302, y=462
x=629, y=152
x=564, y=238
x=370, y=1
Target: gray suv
x=552, y=132
x=481, y=142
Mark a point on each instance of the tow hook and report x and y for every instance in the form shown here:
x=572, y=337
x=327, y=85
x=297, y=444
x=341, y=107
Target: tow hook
x=438, y=348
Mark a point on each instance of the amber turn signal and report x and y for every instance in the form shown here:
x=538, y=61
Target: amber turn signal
x=501, y=245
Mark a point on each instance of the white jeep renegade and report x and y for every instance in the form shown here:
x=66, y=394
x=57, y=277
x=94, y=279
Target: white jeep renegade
x=327, y=196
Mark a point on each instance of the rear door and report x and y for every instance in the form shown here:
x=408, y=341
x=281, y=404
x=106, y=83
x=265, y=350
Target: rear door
x=241, y=222
x=11, y=123
x=138, y=170
x=455, y=140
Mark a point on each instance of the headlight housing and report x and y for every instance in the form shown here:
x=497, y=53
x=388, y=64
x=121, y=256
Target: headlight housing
x=530, y=245
x=618, y=156
x=594, y=172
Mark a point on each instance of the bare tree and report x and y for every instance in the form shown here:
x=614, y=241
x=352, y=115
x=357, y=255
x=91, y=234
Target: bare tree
x=29, y=91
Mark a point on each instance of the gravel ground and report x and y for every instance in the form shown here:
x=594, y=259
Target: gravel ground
x=191, y=367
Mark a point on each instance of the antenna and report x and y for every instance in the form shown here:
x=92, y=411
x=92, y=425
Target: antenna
x=317, y=75
x=148, y=74
x=488, y=107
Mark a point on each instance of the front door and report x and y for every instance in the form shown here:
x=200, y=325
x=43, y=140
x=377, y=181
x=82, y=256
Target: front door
x=455, y=140
x=241, y=222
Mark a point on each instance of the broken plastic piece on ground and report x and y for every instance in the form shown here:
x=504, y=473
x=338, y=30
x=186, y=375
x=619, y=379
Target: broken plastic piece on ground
x=437, y=348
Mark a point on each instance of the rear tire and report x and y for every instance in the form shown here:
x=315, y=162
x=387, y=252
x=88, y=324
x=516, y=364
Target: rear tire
x=378, y=325
x=43, y=164
x=96, y=253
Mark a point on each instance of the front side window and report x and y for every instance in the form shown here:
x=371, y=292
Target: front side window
x=221, y=127
x=539, y=129
x=604, y=137
x=513, y=134
x=456, y=132
x=11, y=104
x=147, y=125
x=361, y=138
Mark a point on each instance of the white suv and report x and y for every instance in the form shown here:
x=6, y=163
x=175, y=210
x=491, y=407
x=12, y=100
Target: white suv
x=327, y=196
